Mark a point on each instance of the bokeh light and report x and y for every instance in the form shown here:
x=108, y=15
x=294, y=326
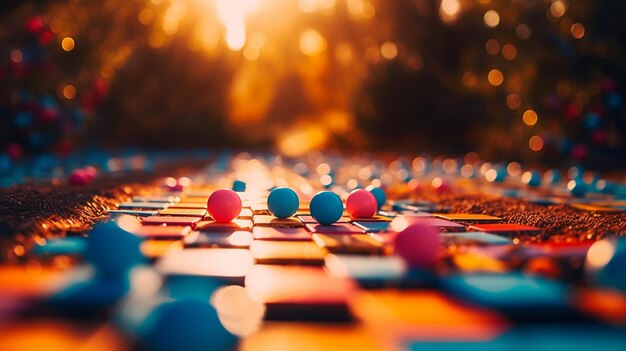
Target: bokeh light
x=535, y=143
x=530, y=117
x=491, y=18
x=312, y=43
x=495, y=77
x=68, y=44
x=309, y=75
x=578, y=30
x=449, y=10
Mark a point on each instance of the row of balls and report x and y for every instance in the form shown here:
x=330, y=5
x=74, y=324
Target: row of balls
x=326, y=207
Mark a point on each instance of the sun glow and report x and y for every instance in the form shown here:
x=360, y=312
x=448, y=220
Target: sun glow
x=232, y=14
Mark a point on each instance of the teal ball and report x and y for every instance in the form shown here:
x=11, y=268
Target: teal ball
x=380, y=196
x=326, y=207
x=283, y=202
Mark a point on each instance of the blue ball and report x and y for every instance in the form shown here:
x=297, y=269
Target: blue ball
x=112, y=250
x=186, y=324
x=283, y=202
x=380, y=196
x=326, y=207
x=239, y=186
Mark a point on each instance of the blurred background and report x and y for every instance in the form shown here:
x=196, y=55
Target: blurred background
x=538, y=81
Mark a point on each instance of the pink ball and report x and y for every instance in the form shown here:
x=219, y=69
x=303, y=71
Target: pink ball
x=418, y=244
x=224, y=205
x=79, y=177
x=361, y=204
x=91, y=171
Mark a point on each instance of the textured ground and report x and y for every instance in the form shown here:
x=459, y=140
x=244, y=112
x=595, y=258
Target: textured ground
x=31, y=212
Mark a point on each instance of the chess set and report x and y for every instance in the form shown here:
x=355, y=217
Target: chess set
x=333, y=252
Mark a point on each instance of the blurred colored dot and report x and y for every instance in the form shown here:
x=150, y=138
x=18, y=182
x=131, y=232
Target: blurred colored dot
x=419, y=164
x=68, y=44
x=513, y=101
x=170, y=181
x=146, y=16
x=106, y=71
x=69, y=92
x=514, y=169
x=535, y=143
x=532, y=178
x=19, y=250
x=449, y=10
x=56, y=26
x=389, y=50
x=326, y=180
x=491, y=18
x=186, y=181
x=471, y=157
x=469, y=79
x=372, y=54
x=251, y=53
x=557, y=9
x=523, y=31
x=495, y=77
x=509, y=52
x=368, y=10
x=343, y=53
x=256, y=40
x=156, y=40
x=415, y=63
x=491, y=175
x=450, y=7
x=492, y=46
x=467, y=171
x=312, y=43
x=450, y=165
x=578, y=30
x=323, y=168
x=16, y=56
x=530, y=118
x=352, y=184
x=365, y=173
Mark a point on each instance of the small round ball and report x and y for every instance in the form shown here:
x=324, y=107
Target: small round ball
x=531, y=178
x=112, y=250
x=361, y=204
x=418, y=244
x=239, y=186
x=186, y=324
x=380, y=196
x=80, y=177
x=224, y=205
x=283, y=202
x=91, y=171
x=326, y=207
